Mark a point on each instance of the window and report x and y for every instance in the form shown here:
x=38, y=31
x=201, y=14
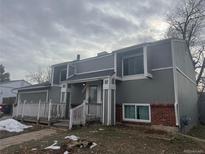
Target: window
x=63, y=75
x=133, y=65
x=136, y=112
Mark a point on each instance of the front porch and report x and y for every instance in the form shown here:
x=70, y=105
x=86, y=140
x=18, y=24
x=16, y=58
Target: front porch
x=92, y=100
x=40, y=104
x=39, y=112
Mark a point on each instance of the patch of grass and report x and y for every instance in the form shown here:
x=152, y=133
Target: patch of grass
x=198, y=131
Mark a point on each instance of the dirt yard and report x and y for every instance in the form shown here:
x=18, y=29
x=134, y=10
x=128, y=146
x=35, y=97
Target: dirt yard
x=111, y=140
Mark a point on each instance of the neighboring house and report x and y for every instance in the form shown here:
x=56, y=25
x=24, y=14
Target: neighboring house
x=151, y=83
x=8, y=89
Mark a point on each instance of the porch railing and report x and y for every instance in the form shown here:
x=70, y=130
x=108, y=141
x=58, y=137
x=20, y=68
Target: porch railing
x=38, y=110
x=78, y=115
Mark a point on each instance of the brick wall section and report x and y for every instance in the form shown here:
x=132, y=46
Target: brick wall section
x=118, y=113
x=160, y=115
x=163, y=115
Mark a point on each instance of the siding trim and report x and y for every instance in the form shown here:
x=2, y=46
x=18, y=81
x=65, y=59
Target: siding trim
x=180, y=71
x=162, y=68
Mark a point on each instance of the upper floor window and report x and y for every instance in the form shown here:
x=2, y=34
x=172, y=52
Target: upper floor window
x=133, y=65
x=63, y=75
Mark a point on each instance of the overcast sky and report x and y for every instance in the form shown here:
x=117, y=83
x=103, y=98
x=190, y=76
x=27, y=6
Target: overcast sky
x=39, y=33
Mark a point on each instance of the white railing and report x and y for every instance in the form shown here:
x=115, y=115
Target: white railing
x=78, y=115
x=39, y=110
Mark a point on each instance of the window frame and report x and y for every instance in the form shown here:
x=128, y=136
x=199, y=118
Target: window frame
x=145, y=75
x=136, y=120
x=60, y=75
x=131, y=56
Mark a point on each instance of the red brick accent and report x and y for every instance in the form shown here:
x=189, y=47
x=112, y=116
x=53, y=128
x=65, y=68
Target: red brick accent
x=160, y=115
x=163, y=115
x=118, y=113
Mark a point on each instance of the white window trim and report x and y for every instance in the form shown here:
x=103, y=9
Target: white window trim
x=60, y=75
x=145, y=75
x=136, y=120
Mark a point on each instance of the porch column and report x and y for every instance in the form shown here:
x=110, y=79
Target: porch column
x=109, y=101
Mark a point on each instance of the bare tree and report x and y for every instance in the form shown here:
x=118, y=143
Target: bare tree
x=41, y=76
x=187, y=22
x=4, y=76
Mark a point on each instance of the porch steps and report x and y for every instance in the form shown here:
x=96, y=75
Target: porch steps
x=34, y=120
x=61, y=123
x=92, y=118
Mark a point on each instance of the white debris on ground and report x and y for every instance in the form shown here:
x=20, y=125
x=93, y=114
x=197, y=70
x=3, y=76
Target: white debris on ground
x=93, y=145
x=66, y=152
x=33, y=149
x=100, y=129
x=72, y=137
x=12, y=125
x=53, y=146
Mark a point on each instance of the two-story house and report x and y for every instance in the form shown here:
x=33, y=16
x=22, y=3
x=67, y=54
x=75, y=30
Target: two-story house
x=150, y=83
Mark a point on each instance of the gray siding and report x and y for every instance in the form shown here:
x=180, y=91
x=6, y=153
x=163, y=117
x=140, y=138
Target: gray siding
x=160, y=89
x=33, y=97
x=103, y=62
x=160, y=54
x=182, y=58
x=56, y=76
x=187, y=91
x=54, y=94
x=187, y=99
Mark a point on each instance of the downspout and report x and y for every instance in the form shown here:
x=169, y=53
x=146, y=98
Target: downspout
x=176, y=103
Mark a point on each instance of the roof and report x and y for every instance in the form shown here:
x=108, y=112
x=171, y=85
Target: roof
x=36, y=86
x=6, y=82
x=120, y=50
x=90, y=76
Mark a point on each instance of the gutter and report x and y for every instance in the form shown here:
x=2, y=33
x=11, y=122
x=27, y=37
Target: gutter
x=176, y=103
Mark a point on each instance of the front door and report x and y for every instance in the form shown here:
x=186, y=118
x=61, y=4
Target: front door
x=92, y=99
x=93, y=94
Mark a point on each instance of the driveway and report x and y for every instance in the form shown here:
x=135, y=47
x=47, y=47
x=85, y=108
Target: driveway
x=18, y=139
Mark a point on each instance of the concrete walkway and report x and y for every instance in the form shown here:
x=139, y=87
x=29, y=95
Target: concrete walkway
x=18, y=139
